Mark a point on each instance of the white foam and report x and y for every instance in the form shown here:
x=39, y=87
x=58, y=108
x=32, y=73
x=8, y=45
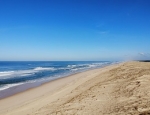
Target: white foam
x=74, y=69
x=92, y=66
x=41, y=68
x=6, y=73
x=72, y=66
x=19, y=73
x=10, y=85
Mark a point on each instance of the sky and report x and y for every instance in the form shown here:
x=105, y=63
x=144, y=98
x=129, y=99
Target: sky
x=65, y=30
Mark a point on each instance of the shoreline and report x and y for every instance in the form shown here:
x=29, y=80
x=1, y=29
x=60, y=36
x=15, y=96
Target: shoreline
x=27, y=86
x=32, y=94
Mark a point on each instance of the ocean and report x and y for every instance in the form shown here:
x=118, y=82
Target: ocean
x=29, y=74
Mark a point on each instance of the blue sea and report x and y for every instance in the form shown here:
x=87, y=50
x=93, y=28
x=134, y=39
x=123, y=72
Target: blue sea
x=19, y=73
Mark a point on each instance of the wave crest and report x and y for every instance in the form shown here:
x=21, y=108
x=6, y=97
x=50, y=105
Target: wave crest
x=42, y=68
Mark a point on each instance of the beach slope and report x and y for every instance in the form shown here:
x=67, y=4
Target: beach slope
x=120, y=89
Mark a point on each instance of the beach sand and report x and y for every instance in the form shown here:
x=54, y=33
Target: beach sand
x=120, y=89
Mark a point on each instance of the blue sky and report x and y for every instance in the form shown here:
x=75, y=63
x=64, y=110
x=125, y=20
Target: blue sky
x=74, y=29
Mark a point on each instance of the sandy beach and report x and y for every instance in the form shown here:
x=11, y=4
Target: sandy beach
x=120, y=89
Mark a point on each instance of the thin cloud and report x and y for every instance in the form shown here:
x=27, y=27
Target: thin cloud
x=144, y=54
x=137, y=56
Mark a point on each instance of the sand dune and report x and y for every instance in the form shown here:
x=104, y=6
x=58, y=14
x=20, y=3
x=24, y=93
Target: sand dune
x=121, y=89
